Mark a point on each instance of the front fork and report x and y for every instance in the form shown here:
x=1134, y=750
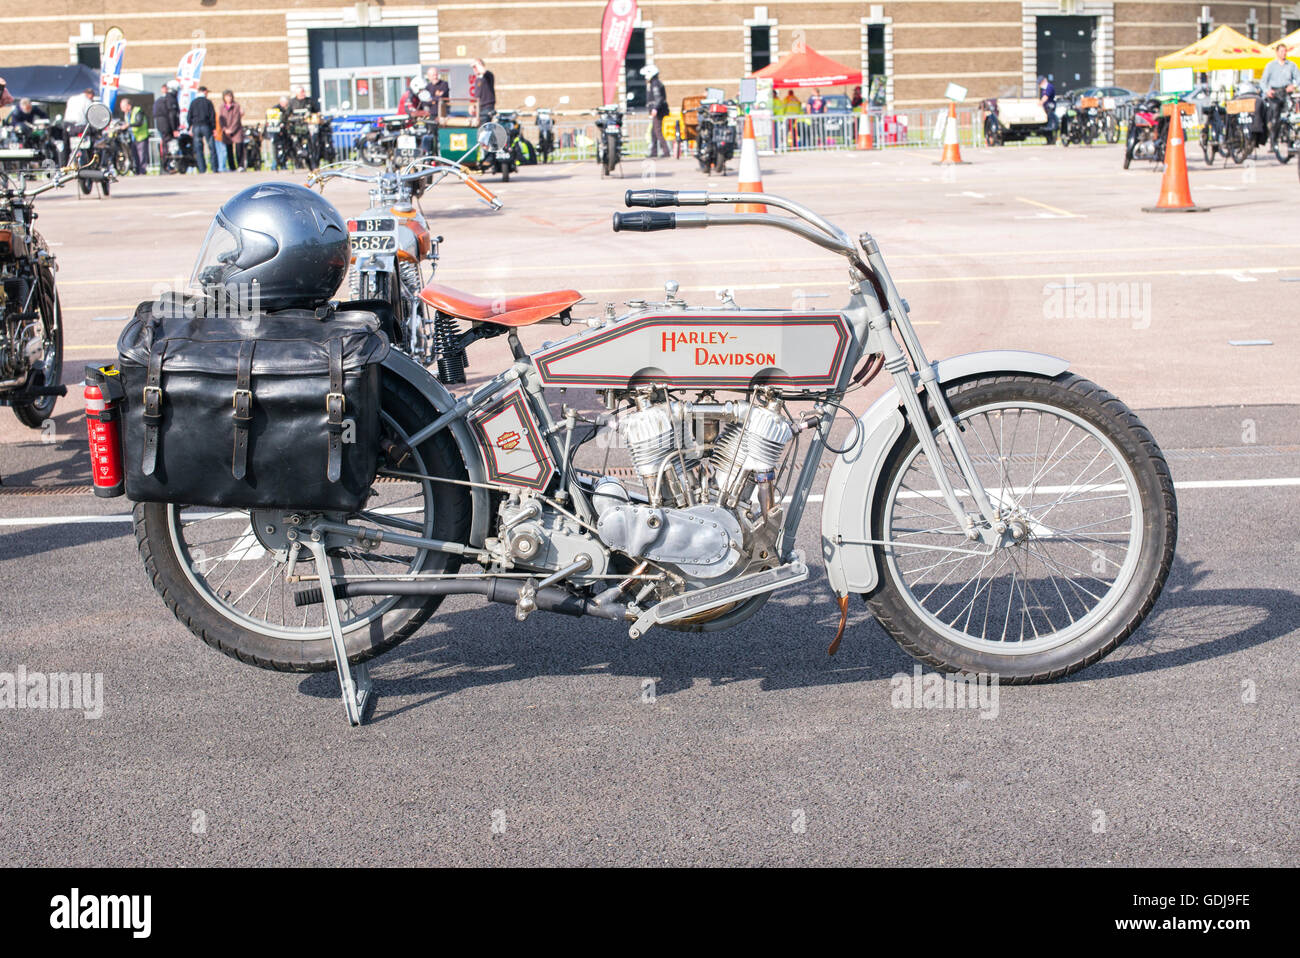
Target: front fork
x=896, y=363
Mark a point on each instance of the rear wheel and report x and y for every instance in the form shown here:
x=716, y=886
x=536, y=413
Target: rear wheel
x=1091, y=520
x=611, y=152
x=225, y=573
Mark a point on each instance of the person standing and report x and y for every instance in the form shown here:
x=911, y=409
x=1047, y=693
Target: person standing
x=202, y=119
x=816, y=102
x=166, y=114
x=1281, y=77
x=657, y=100
x=74, y=117
x=1047, y=98
x=440, y=90
x=138, y=124
x=486, y=106
x=231, y=118
x=301, y=101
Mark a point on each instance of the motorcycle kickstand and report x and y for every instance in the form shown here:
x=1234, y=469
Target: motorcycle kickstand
x=358, y=695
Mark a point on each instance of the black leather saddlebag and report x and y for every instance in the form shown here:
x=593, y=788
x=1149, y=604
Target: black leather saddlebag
x=277, y=410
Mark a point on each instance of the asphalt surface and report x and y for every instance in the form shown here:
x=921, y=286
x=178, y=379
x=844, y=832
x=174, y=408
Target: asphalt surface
x=496, y=742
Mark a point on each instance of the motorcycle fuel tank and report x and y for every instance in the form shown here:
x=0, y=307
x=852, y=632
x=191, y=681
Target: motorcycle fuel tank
x=707, y=350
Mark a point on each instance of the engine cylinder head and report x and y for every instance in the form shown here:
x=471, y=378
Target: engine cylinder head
x=652, y=435
x=754, y=443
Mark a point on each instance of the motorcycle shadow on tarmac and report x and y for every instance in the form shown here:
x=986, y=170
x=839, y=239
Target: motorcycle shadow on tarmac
x=784, y=646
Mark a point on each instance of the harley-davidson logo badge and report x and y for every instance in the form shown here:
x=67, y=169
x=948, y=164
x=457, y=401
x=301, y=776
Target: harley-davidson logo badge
x=509, y=441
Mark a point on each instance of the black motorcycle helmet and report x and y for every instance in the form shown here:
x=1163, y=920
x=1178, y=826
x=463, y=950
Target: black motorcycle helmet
x=290, y=242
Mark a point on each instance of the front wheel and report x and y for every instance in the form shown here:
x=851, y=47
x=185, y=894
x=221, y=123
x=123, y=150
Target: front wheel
x=1129, y=147
x=1087, y=503
x=1282, y=146
x=225, y=573
x=49, y=372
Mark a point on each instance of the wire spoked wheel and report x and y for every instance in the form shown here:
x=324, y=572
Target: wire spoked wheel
x=1089, y=521
x=231, y=575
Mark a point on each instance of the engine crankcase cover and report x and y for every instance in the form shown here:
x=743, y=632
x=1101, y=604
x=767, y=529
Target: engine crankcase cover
x=704, y=542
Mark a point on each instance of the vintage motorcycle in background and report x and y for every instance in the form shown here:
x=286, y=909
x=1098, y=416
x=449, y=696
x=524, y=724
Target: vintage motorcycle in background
x=1147, y=133
x=31, y=318
x=998, y=512
x=609, y=138
x=40, y=137
x=715, y=138
x=391, y=245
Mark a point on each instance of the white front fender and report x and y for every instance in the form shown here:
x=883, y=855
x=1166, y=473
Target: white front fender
x=851, y=489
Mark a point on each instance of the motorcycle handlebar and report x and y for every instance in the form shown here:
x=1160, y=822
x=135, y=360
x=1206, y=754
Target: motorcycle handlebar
x=481, y=190
x=666, y=198
x=649, y=222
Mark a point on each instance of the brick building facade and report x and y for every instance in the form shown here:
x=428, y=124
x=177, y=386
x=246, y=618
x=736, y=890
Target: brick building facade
x=549, y=49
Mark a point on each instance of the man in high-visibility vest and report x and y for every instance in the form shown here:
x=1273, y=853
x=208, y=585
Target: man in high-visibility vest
x=138, y=124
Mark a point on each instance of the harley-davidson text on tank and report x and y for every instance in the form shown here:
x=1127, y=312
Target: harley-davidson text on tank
x=709, y=350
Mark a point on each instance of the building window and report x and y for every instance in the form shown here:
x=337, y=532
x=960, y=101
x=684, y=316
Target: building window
x=366, y=68
x=88, y=55
x=760, y=47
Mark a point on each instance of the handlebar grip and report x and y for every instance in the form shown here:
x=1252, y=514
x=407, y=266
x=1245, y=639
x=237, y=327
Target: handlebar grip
x=482, y=191
x=650, y=197
x=644, y=222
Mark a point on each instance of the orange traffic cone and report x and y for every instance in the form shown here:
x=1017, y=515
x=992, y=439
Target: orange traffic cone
x=866, y=139
x=1175, y=193
x=951, y=148
x=751, y=179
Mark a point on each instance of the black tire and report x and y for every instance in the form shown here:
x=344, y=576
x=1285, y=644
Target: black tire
x=1128, y=148
x=992, y=131
x=85, y=186
x=1155, y=490
x=1282, y=147
x=34, y=414
x=1207, y=145
x=611, y=152
x=451, y=522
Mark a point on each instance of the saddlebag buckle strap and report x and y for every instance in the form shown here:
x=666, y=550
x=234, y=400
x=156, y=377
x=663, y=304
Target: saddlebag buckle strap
x=243, y=408
x=334, y=408
x=152, y=415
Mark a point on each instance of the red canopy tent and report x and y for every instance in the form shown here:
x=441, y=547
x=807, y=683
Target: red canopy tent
x=808, y=68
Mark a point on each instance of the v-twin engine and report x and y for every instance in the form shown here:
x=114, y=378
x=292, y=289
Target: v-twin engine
x=709, y=470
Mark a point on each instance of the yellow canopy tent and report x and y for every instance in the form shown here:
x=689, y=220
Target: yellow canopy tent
x=1221, y=49
x=1292, y=41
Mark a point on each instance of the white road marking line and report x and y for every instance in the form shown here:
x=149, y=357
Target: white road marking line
x=1186, y=484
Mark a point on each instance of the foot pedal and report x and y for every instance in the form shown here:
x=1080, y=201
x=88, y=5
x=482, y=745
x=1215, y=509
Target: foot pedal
x=702, y=600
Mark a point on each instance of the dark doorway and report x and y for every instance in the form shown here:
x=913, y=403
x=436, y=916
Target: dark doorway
x=876, y=62
x=1065, y=51
x=636, y=85
x=760, y=47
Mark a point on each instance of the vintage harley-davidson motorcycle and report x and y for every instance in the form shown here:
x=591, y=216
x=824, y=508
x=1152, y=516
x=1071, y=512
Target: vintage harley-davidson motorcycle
x=997, y=512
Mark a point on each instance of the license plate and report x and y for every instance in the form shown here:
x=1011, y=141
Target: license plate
x=612, y=128
x=406, y=142
x=374, y=242
x=374, y=226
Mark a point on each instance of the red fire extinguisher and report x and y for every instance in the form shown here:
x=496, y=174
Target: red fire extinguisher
x=104, y=395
